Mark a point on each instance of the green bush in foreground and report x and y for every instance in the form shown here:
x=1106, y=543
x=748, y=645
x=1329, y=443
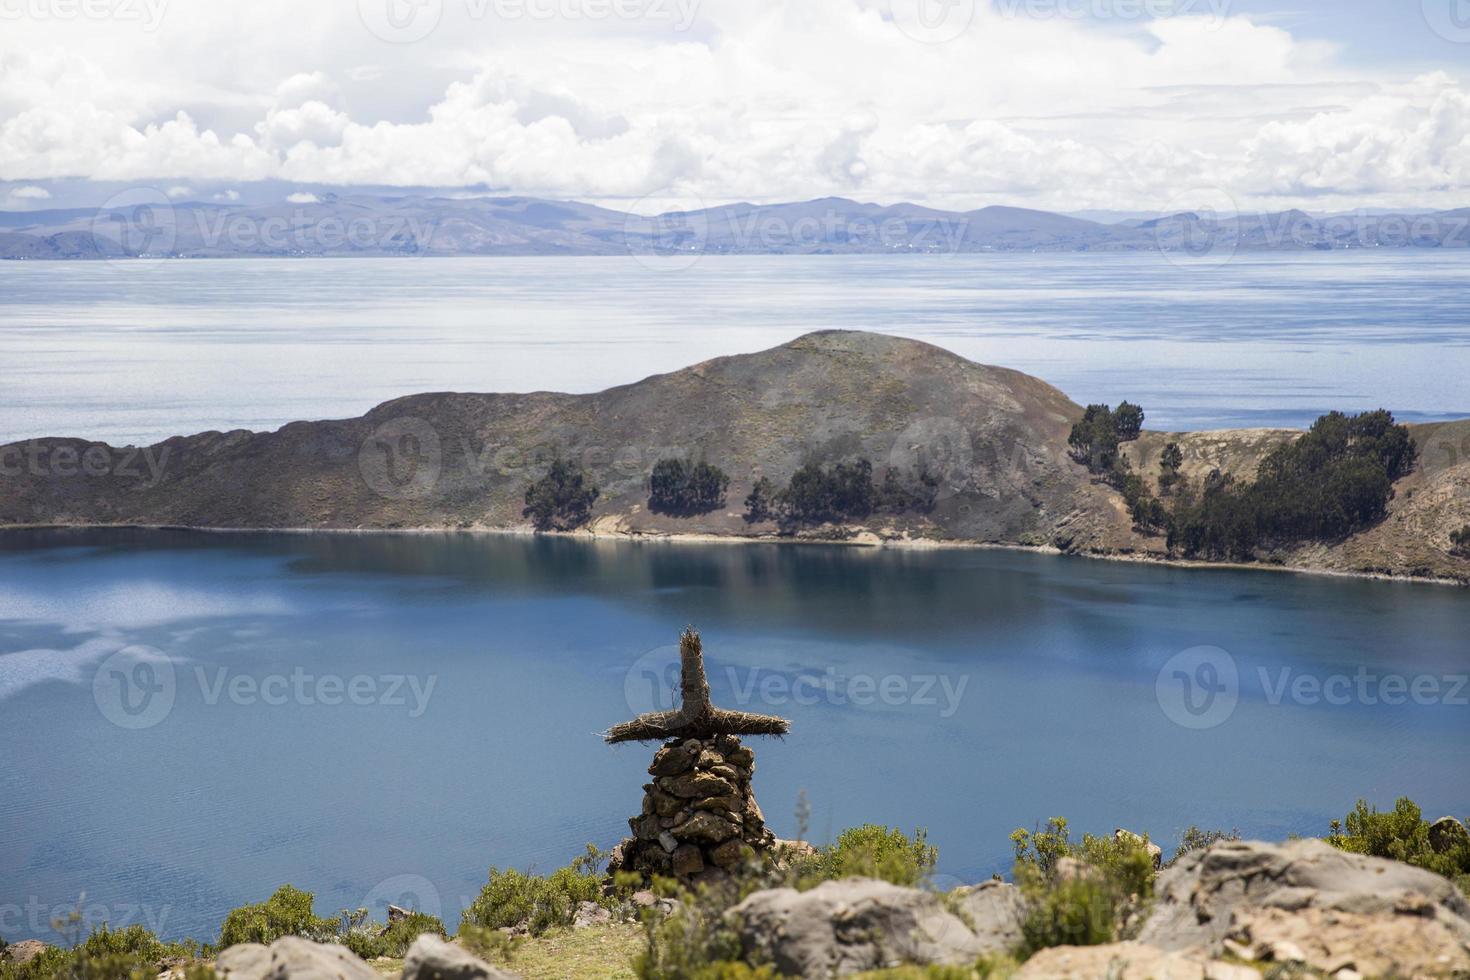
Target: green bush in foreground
x=1195, y=839
x=871, y=851
x=1078, y=894
x=1401, y=834
x=286, y=913
x=516, y=899
x=130, y=953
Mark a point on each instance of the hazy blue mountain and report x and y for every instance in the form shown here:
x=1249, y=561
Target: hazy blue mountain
x=359, y=224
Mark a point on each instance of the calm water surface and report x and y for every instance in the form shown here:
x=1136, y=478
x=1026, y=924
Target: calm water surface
x=1018, y=687
x=137, y=352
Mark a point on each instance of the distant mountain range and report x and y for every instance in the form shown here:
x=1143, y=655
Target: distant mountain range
x=425, y=225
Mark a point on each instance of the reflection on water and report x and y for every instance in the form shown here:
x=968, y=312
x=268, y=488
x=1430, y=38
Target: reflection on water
x=969, y=692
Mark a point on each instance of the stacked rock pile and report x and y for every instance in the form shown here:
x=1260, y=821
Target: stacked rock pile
x=699, y=814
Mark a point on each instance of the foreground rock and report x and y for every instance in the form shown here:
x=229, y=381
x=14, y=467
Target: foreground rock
x=1307, y=902
x=23, y=951
x=1126, y=961
x=994, y=910
x=848, y=926
x=1446, y=834
x=292, y=958
x=431, y=958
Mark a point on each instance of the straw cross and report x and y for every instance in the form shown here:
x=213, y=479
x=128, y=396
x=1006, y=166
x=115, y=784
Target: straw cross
x=695, y=717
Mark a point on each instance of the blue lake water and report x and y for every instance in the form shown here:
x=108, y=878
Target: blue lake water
x=137, y=351
x=190, y=719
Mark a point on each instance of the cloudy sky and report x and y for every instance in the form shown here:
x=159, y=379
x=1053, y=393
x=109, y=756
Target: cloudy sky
x=1059, y=104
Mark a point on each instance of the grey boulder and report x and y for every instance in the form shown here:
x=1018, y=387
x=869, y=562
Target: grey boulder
x=1201, y=897
x=849, y=926
x=431, y=958
x=292, y=958
x=994, y=910
x=1446, y=834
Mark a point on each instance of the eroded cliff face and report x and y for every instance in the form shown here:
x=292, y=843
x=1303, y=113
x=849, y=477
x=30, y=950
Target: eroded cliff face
x=995, y=438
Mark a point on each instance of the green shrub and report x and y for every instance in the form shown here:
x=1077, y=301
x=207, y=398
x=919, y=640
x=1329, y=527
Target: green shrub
x=513, y=898
x=1073, y=912
x=870, y=851
x=762, y=501
x=682, y=486
x=1195, y=839
x=1094, y=440
x=1335, y=480
x=400, y=935
x=562, y=499
x=286, y=913
x=1401, y=834
x=838, y=492
x=1460, y=542
x=1087, y=898
x=130, y=953
x=1169, y=463
x=694, y=939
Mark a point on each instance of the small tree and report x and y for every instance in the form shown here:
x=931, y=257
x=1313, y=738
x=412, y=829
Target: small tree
x=1460, y=542
x=682, y=486
x=760, y=503
x=1128, y=422
x=1094, y=440
x=562, y=499
x=1169, y=464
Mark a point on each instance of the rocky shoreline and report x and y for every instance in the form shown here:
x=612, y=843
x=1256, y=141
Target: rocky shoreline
x=992, y=444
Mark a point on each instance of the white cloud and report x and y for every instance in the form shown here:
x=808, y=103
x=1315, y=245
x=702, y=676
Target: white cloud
x=179, y=191
x=302, y=197
x=30, y=193
x=759, y=100
x=229, y=195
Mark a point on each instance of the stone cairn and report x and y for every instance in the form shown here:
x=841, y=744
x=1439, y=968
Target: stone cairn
x=699, y=814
